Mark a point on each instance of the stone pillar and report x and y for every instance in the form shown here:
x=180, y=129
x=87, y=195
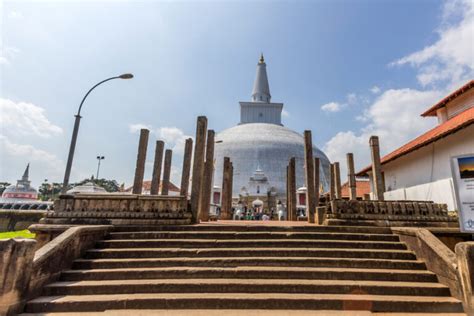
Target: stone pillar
x=292, y=214
x=188, y=152
x=155, y=180
x=166, y=172
x=337, y=180
x=316, y=189
x=225, y=211
x=206, y=185
x=332, y=185
x=141, y=157
x=288, y=192
x=376, y=168
x=231, y=187
x=309, y=176
x=351, y=177
x=198, y=164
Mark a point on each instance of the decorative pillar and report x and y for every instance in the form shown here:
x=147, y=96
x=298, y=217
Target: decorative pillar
x=141, y=157
x=292, y=214
x=166, y=172
x=206, y=185
x=351, y=177
x=155, y=180
x=225, y=211
x=316, y=181
x=332, y=186
x=198, y=164
x=376, y=168
x=188, y=152
x=231, y=187
x=288, y=192
x=337, y=180
x=309, y=176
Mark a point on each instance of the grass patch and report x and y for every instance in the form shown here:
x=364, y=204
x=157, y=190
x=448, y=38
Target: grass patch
x=20, y=233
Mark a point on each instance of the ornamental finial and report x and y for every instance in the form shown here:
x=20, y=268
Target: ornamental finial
x=262, y=60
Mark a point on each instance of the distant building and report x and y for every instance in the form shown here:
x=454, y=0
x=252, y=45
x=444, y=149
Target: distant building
x=22, y=196
x=362, y=188
x=421, y=169
x=172, y=190
x=87, y=188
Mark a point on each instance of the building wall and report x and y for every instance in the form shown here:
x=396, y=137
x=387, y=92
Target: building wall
x=460, y=104
x=425, y=174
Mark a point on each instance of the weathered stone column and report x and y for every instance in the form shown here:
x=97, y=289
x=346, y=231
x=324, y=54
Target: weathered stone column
x=155, y=180
x=351, y=177
x=231, y=187
x=292, y=215
x=332, y=186
x=337, y=180
x=288, y=192
x=465, y=260
x=188, y=152
x=198, y=164
x=225, y=211
x=141, y=157
x=316, y=180
x=376, y=168
x=309, y=176
x=166, y=172
x=206, y=185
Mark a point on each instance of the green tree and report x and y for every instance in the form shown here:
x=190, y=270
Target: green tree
x=3, y=186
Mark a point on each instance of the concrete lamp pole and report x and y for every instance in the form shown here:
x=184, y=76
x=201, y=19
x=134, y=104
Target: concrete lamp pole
x=99, y=158
x=72, y=146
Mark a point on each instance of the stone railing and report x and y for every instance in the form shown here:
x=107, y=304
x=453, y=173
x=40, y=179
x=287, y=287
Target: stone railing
x=119, y=209
x=25, y=269
x=454, y=269
x=393, y=213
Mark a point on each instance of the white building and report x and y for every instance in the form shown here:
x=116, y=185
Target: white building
x=421, y=169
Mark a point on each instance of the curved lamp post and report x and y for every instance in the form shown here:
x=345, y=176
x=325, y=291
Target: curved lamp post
x=72, y=147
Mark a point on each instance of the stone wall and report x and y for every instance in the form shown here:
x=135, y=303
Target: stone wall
x=11, y=220
x=119, y=209
x=390, y=213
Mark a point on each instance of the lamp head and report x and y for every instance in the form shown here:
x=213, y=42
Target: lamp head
x=126, y=76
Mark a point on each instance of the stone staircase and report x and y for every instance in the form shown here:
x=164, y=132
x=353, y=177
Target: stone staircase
x=248, y=267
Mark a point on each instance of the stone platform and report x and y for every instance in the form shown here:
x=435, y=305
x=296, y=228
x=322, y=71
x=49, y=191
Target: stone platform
x=119, y=209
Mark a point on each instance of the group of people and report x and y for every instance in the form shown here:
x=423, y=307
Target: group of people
x=259, y=214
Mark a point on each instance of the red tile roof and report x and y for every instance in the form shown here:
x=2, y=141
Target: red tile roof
x=362, y=187
x=147, y=187
x=432, y=110
x=452, y=125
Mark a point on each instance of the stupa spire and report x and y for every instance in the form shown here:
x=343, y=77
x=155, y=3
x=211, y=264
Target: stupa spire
x=26, y=174
x=261, y=89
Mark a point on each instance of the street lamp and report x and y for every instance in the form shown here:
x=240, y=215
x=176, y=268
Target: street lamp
x=72, y=146
x=99, y=158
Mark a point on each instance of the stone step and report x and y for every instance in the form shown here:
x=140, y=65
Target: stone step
x=255, y=228
x=251, y=235
x=248, y=252
x=248, y=261
x=230, y=243
x=245, y=286
x=379, y=303
x=244, y=272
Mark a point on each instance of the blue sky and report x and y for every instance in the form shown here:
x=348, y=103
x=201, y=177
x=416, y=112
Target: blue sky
x=344, y=69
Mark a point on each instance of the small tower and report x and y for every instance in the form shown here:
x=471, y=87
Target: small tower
x=260, y=109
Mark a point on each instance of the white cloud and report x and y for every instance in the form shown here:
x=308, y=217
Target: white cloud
x=46, y=162
x=331, y=107
x=26, y=119
x=15, y=14
x=394, y=116
x=352, y=98
x=173, y=137
x=285, y=113
x=135, y=128
x=450, y=60
x=7, y=53
x=375, y=90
